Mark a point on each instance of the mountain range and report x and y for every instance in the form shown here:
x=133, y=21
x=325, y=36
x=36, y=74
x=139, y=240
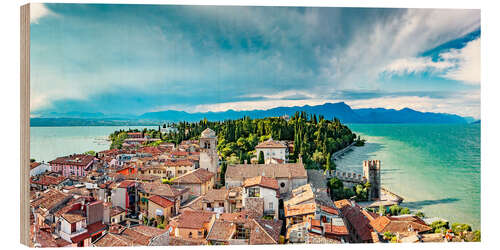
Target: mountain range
x=340, y=110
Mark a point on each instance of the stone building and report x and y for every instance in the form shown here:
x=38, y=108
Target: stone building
x=209, y=159
x=371, y=171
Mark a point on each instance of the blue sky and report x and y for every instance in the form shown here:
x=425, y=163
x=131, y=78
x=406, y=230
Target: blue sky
x=131, y=59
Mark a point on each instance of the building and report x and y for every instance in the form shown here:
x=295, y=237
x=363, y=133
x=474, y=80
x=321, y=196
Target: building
x=194, y=224
x=113, y=214
x=119, y=236
x=124, y=195
x=38, y=168
x=216, y=200
x=288, y=175
x=176, y=195
x=160, y=209
x=77, y=164
x=403, y=226
x=209, y=159
x=357, y=222
x=265, y=189
x=199, y=181
x=274, y=151
x=371, y=172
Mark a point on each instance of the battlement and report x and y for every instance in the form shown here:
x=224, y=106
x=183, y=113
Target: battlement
x=371, y=164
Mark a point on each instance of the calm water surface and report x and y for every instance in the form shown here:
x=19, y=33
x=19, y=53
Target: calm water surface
x=436, y=168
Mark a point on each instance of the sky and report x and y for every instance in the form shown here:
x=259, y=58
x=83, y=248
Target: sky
x=132, y=59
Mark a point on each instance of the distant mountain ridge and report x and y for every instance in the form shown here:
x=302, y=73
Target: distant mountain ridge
x=340, y=110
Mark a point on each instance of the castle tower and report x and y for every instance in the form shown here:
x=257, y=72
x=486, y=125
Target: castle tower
x=209, y=159
x=371, y=171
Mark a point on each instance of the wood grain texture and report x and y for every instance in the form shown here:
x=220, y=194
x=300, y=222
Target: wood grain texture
x=25, y=126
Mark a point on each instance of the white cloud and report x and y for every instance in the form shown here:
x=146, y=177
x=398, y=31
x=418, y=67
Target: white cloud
x=403, y=36
x=416, y=65
x=468, y=59
x=457, y=64
x=37, y=11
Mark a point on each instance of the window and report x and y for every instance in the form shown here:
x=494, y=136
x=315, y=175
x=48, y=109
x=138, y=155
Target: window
x=209, y=205
x=190, y=234
x=282, y=185
x=113, y=220
x=254, y=192
x=221, y=204
x=271, y=206
x=73, y=227
x=199, y=233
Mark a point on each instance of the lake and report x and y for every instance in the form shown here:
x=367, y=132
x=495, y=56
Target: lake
x=436, y=168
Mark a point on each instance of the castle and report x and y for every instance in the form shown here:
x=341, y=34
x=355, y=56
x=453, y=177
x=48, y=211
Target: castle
x=371, y=172
x=209, y=159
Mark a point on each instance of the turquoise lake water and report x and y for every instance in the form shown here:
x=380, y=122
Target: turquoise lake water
x=436, y=168
x=48, y=143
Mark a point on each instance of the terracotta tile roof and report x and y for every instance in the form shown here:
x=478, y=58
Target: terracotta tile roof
x=48, y=180
x=194, y=219
x=74, y=160
x=126, y=184
x=116, y=210
x=95, y=228
x=358, y=221
x=80, y=237
x=270, y=144
x=134, y=236
x=272, y=228
x=197, y=176
x=166, y=240
x=244, y=171
x=73, y=217
x=179, y=153
x=329, y=210
x=179, y=163
x=163, y=202
x=50, y=199
x=301, y=209
x=45, y=239
x=301, y=194
x=114, y=240
x=221, y=231
x=261, y=181
x=264, y=232
x=35, y=164
x=161, y=189
x=342, y=203
x=335, y=230
x=399, y=225
x=216, y=195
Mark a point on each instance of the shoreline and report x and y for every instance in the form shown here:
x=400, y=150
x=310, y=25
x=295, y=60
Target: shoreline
x=425, y=205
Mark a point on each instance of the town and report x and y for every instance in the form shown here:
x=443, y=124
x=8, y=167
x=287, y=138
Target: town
x=148, y=192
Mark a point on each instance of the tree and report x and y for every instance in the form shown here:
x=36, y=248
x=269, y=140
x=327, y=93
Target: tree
x=223, y=169
x=459, y=228
x=439, y=226
x=261, y=157
x=420, y=214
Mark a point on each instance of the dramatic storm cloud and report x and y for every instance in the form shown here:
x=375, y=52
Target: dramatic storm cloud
x=130, y=59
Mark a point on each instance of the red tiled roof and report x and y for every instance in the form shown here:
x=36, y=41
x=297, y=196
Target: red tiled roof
x=126, y=184
x=47, y=180
x=329, y=210
x=262, y=181
x=358, y=221
x=194, y=219
x=163, y=202
x=197, y=176
x=336, y=230
x=95, y=228
x=270, y=144
x=80, y=237
x=34, y=164
x=399, y=224
x=74, y=160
